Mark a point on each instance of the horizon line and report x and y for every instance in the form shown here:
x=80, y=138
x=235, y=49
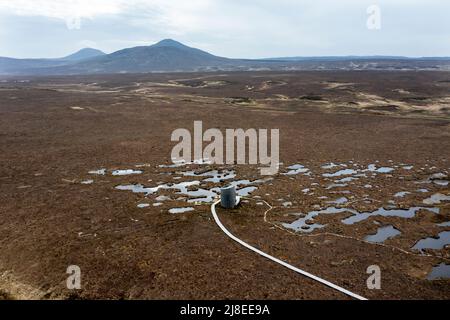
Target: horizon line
x=261, y=58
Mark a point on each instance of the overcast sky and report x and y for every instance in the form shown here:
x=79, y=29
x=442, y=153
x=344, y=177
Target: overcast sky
x=230, y=28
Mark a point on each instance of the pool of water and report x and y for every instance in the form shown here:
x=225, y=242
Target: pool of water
x=442, y=183
x=383, y=234
x=441, y=271
x=163, y=198
x=384, y=170
x=296, y=169
x=181, y=163
x=304, y=224
x=213, y=176
x=126, y=172
x=401, y=194
x=402, y=213
x=444, y=224
x=330, y=166
x=344, y=180
x=199, y=195
x=245, y=192
x=438, y=243
x=336, y=185
x=181, y=210
x=373, y=168
x=436, y=199
x=100, y=172
x=137, y=188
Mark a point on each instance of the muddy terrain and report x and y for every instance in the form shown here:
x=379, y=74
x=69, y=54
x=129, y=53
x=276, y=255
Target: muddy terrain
x=86, y=179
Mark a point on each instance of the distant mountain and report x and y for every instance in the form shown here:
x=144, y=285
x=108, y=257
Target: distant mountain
x=172, y=56
x=85, y=53
x=336, y=58
x=165, y=56
x=11, y=66
x=349, y=58
x=170, y=43
x=34, y=66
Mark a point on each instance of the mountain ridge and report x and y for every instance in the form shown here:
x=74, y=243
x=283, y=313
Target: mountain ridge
x=85, y=53
x=169, y=55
